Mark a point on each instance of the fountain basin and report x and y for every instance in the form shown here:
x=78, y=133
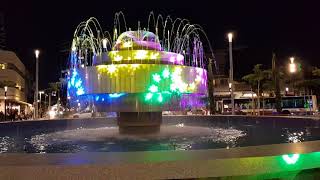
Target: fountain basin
x=139, y=122
x=185, y=147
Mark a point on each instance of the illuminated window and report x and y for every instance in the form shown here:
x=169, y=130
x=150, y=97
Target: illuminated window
x=3, y=66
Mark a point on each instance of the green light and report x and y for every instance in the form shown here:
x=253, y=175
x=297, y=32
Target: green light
x=160, y=98
x=291, y=159
x=166, y=73
x=156, y=77
x=153, y=88
x=148, y=96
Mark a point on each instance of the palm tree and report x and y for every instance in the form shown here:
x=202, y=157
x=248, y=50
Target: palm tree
x=256, y=79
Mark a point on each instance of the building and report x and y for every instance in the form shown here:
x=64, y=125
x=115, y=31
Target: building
x=13, y=74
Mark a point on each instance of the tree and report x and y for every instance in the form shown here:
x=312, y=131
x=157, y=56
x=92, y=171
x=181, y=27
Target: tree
x=312, y=82
x=255, y=79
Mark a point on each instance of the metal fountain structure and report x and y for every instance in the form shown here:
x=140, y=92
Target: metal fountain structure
x=138, y=73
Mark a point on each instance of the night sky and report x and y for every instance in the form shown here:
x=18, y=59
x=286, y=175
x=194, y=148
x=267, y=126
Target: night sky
x=286, y=27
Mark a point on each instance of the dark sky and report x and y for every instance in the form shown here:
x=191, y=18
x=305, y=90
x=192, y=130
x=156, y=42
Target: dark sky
x=286, y=27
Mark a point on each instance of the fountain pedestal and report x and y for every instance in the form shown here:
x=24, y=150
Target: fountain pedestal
x=139, y=122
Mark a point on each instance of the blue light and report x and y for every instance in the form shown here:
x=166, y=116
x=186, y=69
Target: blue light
x=80, y=91
x=97, y=98
x=116, y=95
x=102, y=99
x=75, y=85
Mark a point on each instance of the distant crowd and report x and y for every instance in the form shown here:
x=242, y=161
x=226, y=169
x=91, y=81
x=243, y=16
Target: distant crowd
x=14, y=115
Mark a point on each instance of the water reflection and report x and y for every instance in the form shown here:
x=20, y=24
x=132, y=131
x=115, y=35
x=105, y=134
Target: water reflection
x=294, y=137
x=6, y=143
x=174, y=137
x=180, y=136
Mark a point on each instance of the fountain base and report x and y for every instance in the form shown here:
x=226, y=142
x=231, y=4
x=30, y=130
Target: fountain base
x=139, y=122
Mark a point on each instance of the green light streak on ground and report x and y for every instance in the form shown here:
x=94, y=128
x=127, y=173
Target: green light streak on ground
x=290, y=159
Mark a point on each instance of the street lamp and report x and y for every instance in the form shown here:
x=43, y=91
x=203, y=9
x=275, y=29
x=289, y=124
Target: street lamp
x=40, y=92
x=230, y=37
x=292, y=70
x=292, y=66
x=5, y=103
x=36, y=52
x=287, y=90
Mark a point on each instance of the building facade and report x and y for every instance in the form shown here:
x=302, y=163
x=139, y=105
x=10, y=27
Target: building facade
x=13, y=74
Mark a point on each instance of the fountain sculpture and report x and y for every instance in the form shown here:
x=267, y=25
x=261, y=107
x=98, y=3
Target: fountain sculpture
x=138, y=73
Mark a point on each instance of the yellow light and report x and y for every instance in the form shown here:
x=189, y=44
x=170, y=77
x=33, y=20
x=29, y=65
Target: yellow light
x=2, y=66
x=141, y=54
x=134, y=66
x=113, y=53
x=183, y=87
x=118, y=58
x=127, y=44
x=230, y=36
x=292, y=59
x=154, y=55
x=198, y=78
x=74, y=48
x=192, y=87
x=111, y=68
x=292, y=68
x=6, y=88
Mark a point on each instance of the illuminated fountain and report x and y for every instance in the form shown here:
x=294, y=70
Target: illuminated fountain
x=139, y=73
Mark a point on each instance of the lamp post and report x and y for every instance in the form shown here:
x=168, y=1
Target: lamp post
x=40, y=92
x=36, y=52
x=292, y=70
x=5, y=103
x=230, y=36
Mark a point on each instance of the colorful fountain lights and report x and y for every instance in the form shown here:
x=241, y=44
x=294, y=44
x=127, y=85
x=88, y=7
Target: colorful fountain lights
x=137, y=63
x=166, y=82
x=177, y=86
x=75, y=84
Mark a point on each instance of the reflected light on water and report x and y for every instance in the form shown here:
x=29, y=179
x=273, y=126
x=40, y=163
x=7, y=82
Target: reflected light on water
x=173, y=137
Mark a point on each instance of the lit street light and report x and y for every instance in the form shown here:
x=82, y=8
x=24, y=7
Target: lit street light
x=292, y=70
x=292, y=66
x=230, y=36
x=36, y=115
x=5, y=103
x=40, y=92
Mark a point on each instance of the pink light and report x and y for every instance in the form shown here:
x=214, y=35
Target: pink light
x=172, y=59
x=179, y=57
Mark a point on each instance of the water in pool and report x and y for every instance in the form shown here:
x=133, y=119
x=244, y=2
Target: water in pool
x=178, y=136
